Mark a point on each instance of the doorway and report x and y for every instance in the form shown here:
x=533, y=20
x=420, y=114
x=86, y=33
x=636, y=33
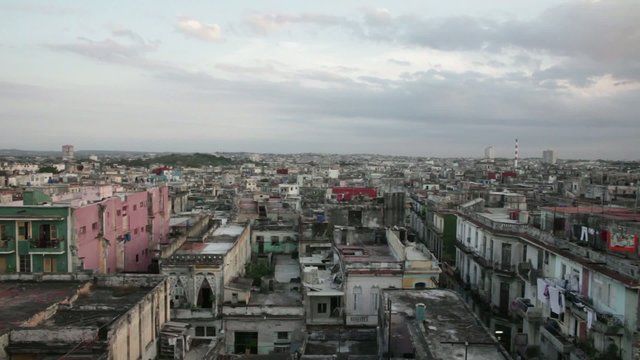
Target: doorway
x=205, y=296
x=246, y=342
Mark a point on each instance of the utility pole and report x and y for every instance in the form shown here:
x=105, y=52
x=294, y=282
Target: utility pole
x=389, y=341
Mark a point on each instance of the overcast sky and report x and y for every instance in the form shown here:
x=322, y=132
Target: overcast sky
x=429, y=78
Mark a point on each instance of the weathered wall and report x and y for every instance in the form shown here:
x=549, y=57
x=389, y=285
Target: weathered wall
x=135, y=333
x=69, y=335
x=267, y=332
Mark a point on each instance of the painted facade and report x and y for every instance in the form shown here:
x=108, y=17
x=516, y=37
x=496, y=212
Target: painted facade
x=118, y=233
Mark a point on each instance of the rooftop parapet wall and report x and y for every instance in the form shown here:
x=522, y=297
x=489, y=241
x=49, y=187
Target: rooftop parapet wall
x=134, y=280
x=70, y=335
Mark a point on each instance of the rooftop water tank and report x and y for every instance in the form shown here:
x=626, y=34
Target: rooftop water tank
x=421, y=310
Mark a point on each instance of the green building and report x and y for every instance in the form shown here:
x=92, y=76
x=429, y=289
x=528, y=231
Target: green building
x=35, y=237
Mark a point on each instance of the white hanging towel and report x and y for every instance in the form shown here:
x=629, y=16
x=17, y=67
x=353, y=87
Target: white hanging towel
x=541, y=285
x=554, y=299
x=591, y=317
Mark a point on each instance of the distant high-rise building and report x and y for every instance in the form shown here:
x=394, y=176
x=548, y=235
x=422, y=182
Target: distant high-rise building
x=67, y=152
x=549, y=157
x=489, y=153
x=516, y=158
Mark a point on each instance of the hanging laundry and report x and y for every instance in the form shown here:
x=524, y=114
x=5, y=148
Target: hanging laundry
x=541, y=290
x=554, y=300
x=561, y=303
x=584, y=234
x=591, y=317
x=576, y=230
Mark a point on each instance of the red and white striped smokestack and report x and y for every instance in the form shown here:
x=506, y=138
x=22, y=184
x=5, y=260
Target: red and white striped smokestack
x=515, y=161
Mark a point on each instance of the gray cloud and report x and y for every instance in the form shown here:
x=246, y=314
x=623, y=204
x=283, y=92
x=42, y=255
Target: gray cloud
x=593, y=37
x=399, y=62
x=132, y=51
x=468, y=109
x=104, y=50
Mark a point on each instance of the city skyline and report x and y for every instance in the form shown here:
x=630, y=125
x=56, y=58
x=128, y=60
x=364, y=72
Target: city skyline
x=413, y=78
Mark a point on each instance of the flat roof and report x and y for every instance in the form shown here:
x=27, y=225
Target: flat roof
x=229, y=230
x=19, y=301
x=447, y=319
x=366, y=253
x=286, y=268
x=204, y=248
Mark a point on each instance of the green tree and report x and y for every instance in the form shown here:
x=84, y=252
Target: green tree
x=48, y=169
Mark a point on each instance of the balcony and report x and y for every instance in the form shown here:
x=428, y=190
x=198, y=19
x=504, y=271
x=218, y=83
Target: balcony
x=7, y=246
x=478, y=258
x=525, y=309
x=50, y=246
x=562, y=343
x=609, y=324
x=524, y=269
x=507, y=269
x=463, y=247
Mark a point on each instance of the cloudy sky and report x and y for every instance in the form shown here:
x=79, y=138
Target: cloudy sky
x=423, y=77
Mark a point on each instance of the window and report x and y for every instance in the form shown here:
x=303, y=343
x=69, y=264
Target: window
x=83, y=230
x=141, y=204
x=374, y=298
x=546, y=258
x=322, y=308
x=137, y=258
x=118, y=212
x=135, y=231
x=357, y=291
x=282, y=335
x=3, y=232
x=94, y=226
x=275, y=240
x=24, y=232
x=281, y=349
x=25, y=263
x=259, y=238
x=200, y=331
x=210, y=331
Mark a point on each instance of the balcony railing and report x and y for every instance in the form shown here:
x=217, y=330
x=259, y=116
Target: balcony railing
x=525, y=309
x=553, y=334
x=524, y=269
x=7, y=245
x=49, y=245
x=463, y=246
x=477, y=257
x=608, y=323
x=505, y=268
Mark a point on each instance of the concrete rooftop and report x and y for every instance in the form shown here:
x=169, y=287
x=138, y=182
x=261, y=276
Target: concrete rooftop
x=19, y=301
x=447, y=319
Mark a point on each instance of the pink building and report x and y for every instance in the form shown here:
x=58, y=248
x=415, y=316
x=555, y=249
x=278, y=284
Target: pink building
x=123, y=232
